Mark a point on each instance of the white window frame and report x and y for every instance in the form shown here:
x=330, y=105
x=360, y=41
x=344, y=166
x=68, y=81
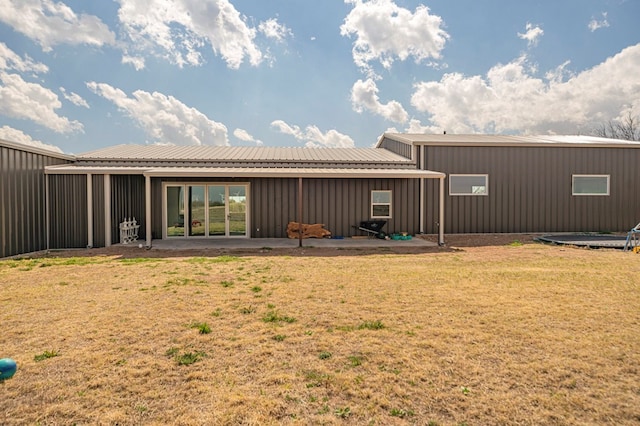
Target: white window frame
x=390, y=203
x=471, y=193
x=581, y=194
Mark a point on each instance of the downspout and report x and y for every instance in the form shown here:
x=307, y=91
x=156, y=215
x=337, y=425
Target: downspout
x=89, y=210
x=441, y=214
x=107, y=210
x=147, y=209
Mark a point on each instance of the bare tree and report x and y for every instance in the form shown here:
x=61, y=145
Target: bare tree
x=627, y=129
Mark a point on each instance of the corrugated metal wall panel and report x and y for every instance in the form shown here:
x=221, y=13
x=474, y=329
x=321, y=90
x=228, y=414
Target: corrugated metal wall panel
x=340, y=204
x=98, y=211
x=530, y=189
x=397, y=147
x=68, y=211
x=127, y=201
x=22, y=191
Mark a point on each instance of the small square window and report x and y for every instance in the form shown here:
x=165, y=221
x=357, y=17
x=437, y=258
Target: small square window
x=590, y=185
x=380, y=204
x=468, y=184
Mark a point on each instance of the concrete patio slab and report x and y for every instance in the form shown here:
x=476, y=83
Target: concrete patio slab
x=258, y=243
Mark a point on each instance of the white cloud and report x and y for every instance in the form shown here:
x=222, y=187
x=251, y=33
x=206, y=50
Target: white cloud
x=30, y=101
x=18, y=136
x=594, y=24
x=50, y=23
x=244, y=136
x=415, y=126
x=74, y=98
x=178, y=29
x=164, y=118
x=511, y=99
x=271, y=28
x=313, y=137
x=385, y=32
x=364, y=95
x=532, y=35
x=9, y=60
x=137, y=61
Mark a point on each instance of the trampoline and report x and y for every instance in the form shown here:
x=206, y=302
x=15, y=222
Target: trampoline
x=586, y=240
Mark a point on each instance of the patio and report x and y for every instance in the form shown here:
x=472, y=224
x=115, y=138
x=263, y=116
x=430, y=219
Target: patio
x=257, y=243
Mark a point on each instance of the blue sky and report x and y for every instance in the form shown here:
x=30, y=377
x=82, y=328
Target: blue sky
x=78, y=75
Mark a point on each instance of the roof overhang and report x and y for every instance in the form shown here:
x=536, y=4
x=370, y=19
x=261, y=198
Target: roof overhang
x=249, y=172
x=482, y=140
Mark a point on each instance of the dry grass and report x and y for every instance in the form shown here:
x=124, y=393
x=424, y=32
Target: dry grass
x=526, y=334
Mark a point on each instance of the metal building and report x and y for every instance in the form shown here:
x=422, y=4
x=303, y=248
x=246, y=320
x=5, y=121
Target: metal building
x=200, y=192
x=23, y=196
x=433, y=184
x=538, y=184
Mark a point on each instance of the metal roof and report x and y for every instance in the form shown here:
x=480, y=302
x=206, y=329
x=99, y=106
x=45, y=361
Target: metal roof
x=249, y=172
x=135, y=153
x=36, y=150
x=506, y=140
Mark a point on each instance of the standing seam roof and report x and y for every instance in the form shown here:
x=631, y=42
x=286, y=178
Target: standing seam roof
x=242, y=154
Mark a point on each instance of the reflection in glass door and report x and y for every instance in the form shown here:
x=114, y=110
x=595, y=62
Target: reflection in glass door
x=237, y=208
x=197, y=218
x=175, y=211
x=217, y=210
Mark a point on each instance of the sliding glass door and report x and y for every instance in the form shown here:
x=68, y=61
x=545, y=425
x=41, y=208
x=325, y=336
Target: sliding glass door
x=215, y=210
x=237, y=210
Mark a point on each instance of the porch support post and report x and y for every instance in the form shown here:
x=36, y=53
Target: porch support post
x=441, y=214
x=107, y=210
x=89, y=210
x=147, y=209
x=47, y=213
x=421, y=200
x=300, y=211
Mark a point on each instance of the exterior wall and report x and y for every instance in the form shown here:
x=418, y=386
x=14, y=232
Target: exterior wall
x=396, y=147
x=340, y=204
x=68, y=211
x=530, y=189
x=23, y=198
x=68, y=195
x=127, y=200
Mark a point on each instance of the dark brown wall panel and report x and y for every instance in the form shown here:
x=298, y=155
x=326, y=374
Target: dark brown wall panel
x=339, y=204
x=127, y=201
x=397, y=147
x=530, y=189
x=22, y=191
x=68, y=210
x=98, y=210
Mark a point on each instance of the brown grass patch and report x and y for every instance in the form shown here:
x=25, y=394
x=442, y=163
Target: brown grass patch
x=527, y=334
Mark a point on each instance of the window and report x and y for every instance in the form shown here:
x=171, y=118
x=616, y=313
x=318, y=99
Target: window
x=590, y=185
x=468, y=184
x=380, y=204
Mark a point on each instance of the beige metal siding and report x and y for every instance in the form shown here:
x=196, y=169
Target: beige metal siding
x=22, y=191
x=530, y=189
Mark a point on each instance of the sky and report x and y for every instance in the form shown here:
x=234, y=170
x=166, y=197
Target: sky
x=78, y=75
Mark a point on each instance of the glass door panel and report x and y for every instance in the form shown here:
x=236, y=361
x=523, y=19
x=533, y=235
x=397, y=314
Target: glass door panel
x=237, y=215
x=217, y=211
x=197, y=219
x=175, y=211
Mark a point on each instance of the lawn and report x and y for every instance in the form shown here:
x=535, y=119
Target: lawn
x=521, y=334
